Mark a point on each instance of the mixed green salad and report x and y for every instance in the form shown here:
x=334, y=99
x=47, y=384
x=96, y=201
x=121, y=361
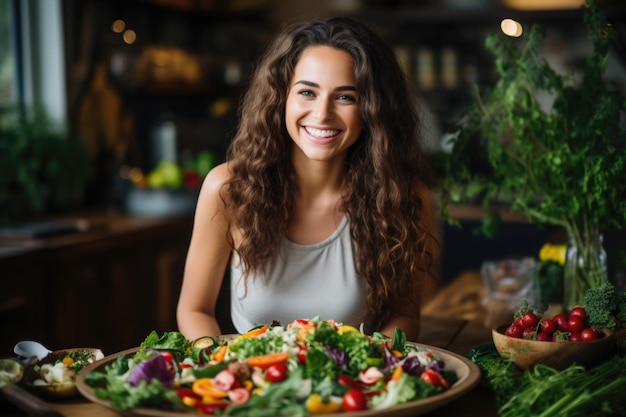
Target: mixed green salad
x=307, y=367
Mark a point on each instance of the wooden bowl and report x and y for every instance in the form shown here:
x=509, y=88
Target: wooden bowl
x=559, y=355
x=55, y=391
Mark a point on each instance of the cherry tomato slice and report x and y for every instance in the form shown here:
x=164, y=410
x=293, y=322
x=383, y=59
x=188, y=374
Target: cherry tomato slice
x=347, y=381
x=276, y=373
x=434, y=378
x=354, y=400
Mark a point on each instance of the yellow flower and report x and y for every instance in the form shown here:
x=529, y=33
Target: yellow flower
x=550, y=252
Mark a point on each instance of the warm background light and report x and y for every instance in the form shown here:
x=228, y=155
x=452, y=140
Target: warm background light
x=543, y=4
x=129, y=36
x=118, y=26
x=511, y=27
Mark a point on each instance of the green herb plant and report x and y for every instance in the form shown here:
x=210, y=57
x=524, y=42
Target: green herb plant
x=564, y=165
x=42, y=169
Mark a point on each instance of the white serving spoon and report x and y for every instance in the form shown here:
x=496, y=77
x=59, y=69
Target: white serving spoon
x=28, y=349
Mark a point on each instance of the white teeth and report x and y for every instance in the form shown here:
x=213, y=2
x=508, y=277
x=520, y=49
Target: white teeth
x=322, y=133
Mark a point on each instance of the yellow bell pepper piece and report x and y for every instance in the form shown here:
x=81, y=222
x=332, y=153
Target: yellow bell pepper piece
x=315, y=405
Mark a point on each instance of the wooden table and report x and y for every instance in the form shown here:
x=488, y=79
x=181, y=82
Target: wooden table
x=456, y=335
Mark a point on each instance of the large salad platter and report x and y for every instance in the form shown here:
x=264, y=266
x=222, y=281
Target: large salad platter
x=307, y=367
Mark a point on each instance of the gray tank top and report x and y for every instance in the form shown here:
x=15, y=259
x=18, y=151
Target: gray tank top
x=303, y=281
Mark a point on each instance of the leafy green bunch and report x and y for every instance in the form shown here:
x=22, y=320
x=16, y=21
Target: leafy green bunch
x=561, y=164
x=41, y=168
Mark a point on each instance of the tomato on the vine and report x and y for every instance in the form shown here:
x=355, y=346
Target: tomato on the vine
x=529, y=333
x=530, y=319
x=561, y=322
x=544, y=337
x=574, y=337
x=578, y=312
x=548, y=326
x=514, y=331
x=575, y=324
x=588, y=334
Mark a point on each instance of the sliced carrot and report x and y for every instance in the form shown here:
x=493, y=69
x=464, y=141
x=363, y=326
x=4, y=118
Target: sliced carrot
x=218, y=356
x=397, y=372
x=265, y=361
x=255, y=332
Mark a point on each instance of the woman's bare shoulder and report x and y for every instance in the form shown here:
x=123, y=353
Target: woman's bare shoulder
x=213, y=184
x=217, y=177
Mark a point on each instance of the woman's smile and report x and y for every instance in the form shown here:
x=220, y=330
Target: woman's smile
x=321, y=135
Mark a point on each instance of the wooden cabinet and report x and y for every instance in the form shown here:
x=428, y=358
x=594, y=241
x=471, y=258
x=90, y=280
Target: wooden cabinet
x=107, y=288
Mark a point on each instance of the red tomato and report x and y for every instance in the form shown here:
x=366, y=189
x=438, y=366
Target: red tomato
x=544, y=337
x=574, y=337
x=548, y=326
x=575, y=324
x=347, y=381
x=530, y=319
x=561, y=322
x=239, y=395
x=225, y=380
x=578, y=312
x=588, y=334
x=276, y=373
x=354, y=400
x=519, y=322
x=513, y=330
x=302, y=352
x=529, y=333
x=434, y=378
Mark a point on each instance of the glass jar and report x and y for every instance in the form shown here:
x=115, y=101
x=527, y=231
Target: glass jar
x=585, y=267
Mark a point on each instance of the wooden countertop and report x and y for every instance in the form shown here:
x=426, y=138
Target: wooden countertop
x=105, y=227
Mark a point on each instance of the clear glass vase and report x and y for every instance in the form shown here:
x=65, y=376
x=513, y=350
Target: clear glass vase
x=585, y=267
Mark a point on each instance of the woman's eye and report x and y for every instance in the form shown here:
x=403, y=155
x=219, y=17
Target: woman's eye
x=348, y=98
x=307, y=93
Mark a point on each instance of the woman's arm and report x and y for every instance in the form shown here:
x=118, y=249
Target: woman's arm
x=207, y=260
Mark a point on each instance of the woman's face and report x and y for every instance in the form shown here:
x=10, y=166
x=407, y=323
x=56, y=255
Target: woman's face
x=322, y=109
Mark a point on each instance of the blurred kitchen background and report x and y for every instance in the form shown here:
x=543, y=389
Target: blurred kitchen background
x=146, y=91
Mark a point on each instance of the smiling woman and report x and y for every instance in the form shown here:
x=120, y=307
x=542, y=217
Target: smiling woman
x=320, y=207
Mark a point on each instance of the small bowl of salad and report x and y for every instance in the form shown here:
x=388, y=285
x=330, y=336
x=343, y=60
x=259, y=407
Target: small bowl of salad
x=54, y=376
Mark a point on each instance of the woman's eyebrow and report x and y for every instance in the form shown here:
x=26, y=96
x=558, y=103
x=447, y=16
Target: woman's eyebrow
x=315, y=85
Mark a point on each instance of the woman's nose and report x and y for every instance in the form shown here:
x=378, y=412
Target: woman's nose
x=323, y=110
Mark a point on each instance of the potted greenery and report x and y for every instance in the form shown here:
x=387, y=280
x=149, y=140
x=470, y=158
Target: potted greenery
x=564, y=165
x=42, y=169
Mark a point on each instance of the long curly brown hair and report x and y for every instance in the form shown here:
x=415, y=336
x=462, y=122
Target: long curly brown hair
x=383, y=169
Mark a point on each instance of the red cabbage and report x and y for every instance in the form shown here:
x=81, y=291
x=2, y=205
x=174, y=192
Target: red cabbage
x=158, y=367
x=339, y=356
